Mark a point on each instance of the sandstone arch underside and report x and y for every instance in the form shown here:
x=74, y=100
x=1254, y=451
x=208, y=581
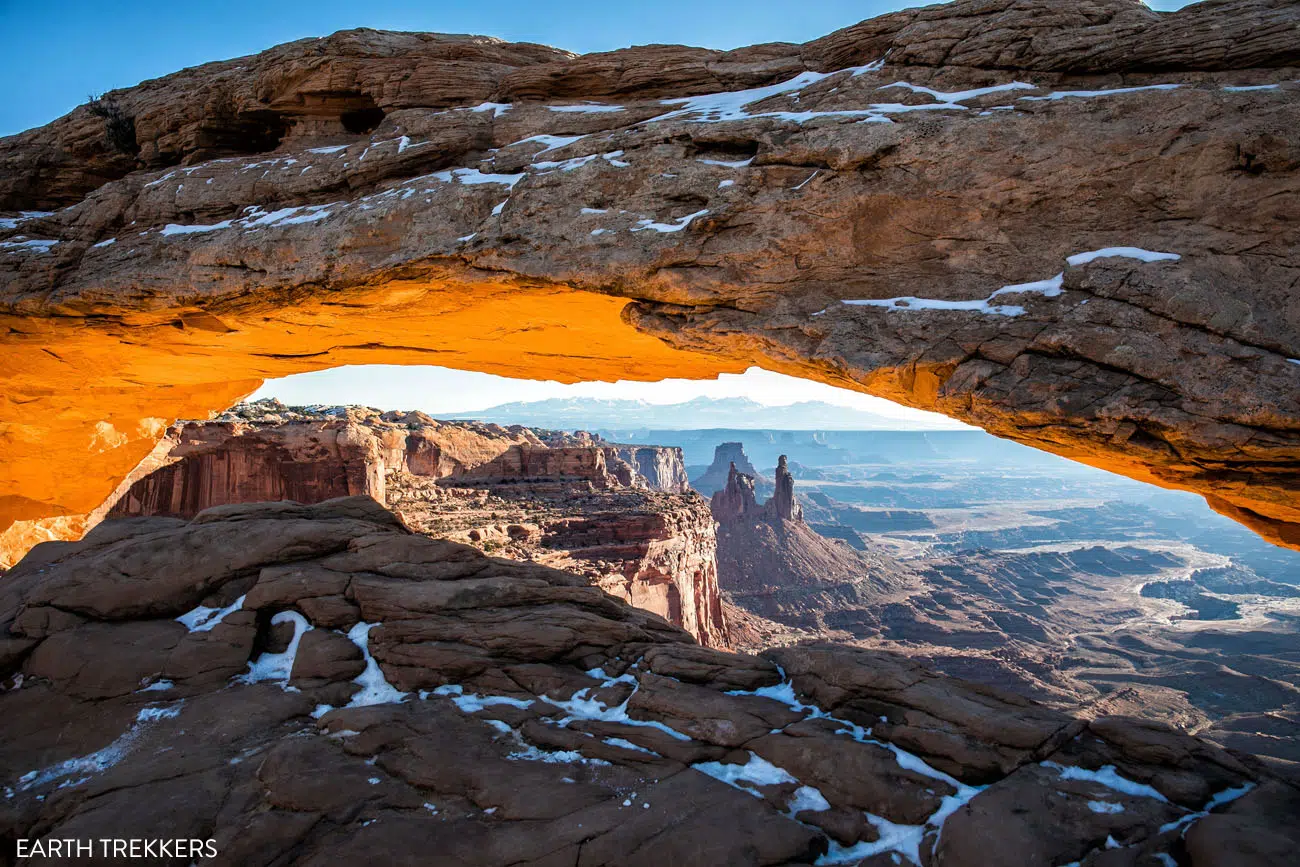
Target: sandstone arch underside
x=1074, y=225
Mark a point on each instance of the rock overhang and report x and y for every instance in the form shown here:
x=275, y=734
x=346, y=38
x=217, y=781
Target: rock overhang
x=1091, y=257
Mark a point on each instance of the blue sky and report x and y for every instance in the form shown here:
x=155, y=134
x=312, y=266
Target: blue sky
x=57, y=52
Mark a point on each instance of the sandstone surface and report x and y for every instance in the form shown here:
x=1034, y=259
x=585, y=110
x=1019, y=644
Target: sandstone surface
x=477, y=710
x=1071, y=224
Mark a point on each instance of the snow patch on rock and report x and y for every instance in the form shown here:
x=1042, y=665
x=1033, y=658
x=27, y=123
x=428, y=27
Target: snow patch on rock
x=203, y=618
x=278, y=666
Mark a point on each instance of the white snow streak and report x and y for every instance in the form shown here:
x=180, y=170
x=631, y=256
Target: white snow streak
x=278, y=666
x=174, y=229
x=474, y=176
x=203, y=618
x=586, y=108
x=1085, y=94
x=675, y=226
x=497, y=108
x=563, y=165
x=1107, y=776
x=473, y=703
x=903, y=839
x=758, y=771
x=1105, y=807
x=731, y=164
x=961, y=95
x=1049, y=288
x=1122, y=252
x=12, y=222
x=101, y=760
x=1225, y=797
x=731, y=105
x=375, y=688
x=552, y=142
x=19, y=244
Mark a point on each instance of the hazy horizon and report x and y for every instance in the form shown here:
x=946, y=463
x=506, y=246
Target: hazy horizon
x=447, y=393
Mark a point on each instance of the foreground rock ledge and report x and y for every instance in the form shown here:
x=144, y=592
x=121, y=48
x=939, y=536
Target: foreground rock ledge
x=1072, y=224
x=316, y=685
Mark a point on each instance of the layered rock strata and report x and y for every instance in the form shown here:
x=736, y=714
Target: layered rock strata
x=1070, y=224
x=653, y=550
x=568, y=500
x=266, y=451
x=316, y=685
x=773, y=566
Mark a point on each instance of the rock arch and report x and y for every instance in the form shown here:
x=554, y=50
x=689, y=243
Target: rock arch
x=1073, y=225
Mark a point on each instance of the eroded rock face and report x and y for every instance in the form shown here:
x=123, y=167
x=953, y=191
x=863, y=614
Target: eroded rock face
x=1071, y=225
x=773, y=565
x=729, y=458
x=311, y=684
x=663, y=468
x=569, y=501
x=222, y=463
x=737, y=500
x=660, y=554
x=265, y=451
x=783, y=504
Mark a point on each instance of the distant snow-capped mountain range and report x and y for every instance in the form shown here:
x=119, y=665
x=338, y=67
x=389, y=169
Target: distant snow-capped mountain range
x=701, y=412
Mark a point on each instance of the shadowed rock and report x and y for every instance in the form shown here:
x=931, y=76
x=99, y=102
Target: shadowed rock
x=500, y=712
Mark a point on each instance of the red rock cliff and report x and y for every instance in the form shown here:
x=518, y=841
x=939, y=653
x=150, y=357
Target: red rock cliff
x=664, y=562
x=586, y=507
x=220, y=463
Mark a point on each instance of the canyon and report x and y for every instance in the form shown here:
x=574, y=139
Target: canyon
x=1065, y=624
x=621, y=516
x=1069, y=224
x=982, y=560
